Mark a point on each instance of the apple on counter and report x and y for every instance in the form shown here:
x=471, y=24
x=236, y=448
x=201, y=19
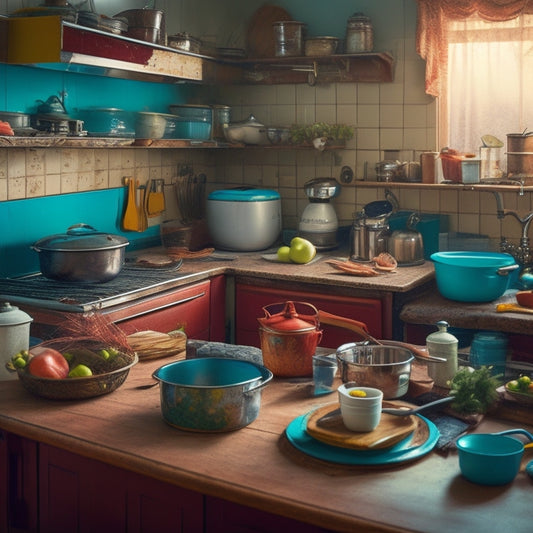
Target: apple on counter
x=300, y=251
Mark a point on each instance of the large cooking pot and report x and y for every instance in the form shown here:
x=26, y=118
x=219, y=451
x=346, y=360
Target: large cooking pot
x=473, y=276
x=81, y=254
x=290, y=333
x=244, y=219
x=211, y=394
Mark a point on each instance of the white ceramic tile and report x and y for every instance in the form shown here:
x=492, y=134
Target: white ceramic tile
x=53, y=184
x=391, y=139
x=326, y=113
x=326, y=94
x=3, y=163
x=3, y=189
x=346, y=93
x=367, y=138
x=69, y=161
x=86, y=181
x=306, y=114
x=35, y=186
x=16, y=165
x=368, y=93
x=52, y=160
x=368, y=116
x=69, y=182
x=101, y=179
x=305, y=94
x=16, y=188
x=469, y=223
x=391, y=116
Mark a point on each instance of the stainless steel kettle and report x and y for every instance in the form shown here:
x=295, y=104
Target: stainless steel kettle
x=407, y=245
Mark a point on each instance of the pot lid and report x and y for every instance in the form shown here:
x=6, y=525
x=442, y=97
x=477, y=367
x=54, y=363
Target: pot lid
x=442, y=336
x=244, y=194
x=12, y=316
x=81, y=237
x=289, y=319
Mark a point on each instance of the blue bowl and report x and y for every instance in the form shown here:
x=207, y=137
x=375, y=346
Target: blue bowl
x=473, y=276
x=489, y=459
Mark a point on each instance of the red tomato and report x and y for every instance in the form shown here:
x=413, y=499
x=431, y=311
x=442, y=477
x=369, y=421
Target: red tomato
x=47, y=363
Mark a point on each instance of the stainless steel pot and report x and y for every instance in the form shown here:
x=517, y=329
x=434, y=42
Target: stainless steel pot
x=387, y=368
x=211, y=394
x=520, y=154
x=81, y=254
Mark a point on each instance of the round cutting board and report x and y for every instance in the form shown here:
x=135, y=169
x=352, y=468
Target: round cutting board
x=391, y=429
x=260, y=40
x=416, y=445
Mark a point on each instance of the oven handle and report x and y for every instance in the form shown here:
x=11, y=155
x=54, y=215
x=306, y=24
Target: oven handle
x=161, y=307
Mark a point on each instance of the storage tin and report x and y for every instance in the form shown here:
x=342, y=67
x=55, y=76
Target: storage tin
x=359, y=34
x=288, y=38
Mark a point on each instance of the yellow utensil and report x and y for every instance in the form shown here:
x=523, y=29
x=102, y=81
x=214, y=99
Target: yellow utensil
x=130, y=220
x=513, y=308
x=156, y=198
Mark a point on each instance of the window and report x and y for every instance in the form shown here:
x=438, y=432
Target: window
x=489, y=83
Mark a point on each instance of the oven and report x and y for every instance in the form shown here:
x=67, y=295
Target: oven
x=137, y=299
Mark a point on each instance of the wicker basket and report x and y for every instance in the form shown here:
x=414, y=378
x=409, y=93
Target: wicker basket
x=107, y=375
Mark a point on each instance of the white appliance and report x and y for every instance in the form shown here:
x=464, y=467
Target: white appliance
x=319, y=223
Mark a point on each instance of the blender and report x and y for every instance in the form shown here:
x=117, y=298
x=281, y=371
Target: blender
x=319, y=223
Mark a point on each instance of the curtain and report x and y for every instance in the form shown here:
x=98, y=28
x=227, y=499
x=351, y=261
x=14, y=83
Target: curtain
x=434, y=17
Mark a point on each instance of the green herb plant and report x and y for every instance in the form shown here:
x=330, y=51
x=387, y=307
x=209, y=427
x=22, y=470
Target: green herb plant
x=474, y=391
x=333, y=132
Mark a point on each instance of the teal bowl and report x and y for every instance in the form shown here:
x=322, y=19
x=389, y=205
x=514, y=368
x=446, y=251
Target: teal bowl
x=473, y=276
x=489, y=458
x=211, y=394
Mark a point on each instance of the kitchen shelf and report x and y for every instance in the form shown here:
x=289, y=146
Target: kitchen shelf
x=51, y=43
x=374, y=67
x=477, y=187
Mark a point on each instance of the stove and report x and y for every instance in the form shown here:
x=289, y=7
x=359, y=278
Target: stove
x=131, y=284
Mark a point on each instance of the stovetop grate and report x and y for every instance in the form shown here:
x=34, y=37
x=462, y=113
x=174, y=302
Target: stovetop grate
x=128, y=285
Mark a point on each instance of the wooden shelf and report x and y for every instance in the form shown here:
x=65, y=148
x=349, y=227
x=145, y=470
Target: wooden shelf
x=374, y=67
x=477, y=187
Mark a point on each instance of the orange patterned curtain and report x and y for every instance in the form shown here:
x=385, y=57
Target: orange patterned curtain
x=433, y=17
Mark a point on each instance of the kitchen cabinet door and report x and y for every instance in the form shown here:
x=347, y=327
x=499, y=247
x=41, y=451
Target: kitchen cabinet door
x=250, y=300
x=18, y=484
x=226, y=517
x=82, y=495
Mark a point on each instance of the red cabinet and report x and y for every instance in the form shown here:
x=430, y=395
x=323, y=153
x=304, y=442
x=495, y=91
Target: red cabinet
x=250, y=300
x=222, y=516
x=18, y=484
x=82, y=495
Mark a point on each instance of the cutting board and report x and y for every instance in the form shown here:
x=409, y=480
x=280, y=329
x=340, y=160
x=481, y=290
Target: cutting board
x=391, y=430
x=260, y=40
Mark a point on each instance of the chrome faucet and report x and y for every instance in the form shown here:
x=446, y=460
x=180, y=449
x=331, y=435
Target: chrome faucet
x=521, y=252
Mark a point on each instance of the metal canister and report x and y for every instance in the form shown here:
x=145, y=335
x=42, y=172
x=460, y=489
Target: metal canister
x=387, y=170
x=359, y=34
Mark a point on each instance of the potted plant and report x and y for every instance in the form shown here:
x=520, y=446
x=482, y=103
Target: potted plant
x=321, y=134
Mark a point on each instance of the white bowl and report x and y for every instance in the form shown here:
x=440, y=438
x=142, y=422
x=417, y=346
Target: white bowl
x=360, y=413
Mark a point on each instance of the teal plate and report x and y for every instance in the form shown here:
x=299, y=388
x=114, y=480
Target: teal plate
x=401, y=452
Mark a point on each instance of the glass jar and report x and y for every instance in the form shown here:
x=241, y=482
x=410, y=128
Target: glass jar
x=359, y=34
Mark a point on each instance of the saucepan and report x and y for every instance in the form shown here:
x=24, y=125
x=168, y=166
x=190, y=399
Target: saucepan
x=492, y=458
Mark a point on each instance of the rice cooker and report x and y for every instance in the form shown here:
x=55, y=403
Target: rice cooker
x=244, y=219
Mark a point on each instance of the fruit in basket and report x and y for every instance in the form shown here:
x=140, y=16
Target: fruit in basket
x=521, y=384
x=47, y=363
x=80, y=371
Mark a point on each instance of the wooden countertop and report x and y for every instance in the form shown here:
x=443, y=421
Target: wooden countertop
x=431, y=307
x=256, y=467
x=318, y=272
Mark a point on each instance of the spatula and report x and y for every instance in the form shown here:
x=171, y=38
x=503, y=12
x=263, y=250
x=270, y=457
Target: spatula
x=130, y=220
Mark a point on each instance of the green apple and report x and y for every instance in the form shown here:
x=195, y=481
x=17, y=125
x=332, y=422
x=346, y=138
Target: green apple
x=302, y=251
x=284, y=254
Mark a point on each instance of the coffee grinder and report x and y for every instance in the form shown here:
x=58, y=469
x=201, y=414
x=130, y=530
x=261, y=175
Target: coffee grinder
x=319, y=223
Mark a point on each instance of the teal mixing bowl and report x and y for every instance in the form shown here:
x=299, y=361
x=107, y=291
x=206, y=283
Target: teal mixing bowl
x=491, y=458
x=211, y=394
x=473, y=276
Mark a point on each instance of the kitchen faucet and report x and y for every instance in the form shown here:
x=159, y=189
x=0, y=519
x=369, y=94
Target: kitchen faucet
x=521, y=252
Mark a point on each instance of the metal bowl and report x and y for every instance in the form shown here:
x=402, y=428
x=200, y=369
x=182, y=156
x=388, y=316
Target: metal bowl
x=387, y=368
x=211, y=394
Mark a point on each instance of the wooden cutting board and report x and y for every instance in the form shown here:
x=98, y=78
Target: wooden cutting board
x=391, y=430
x=260, y=41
